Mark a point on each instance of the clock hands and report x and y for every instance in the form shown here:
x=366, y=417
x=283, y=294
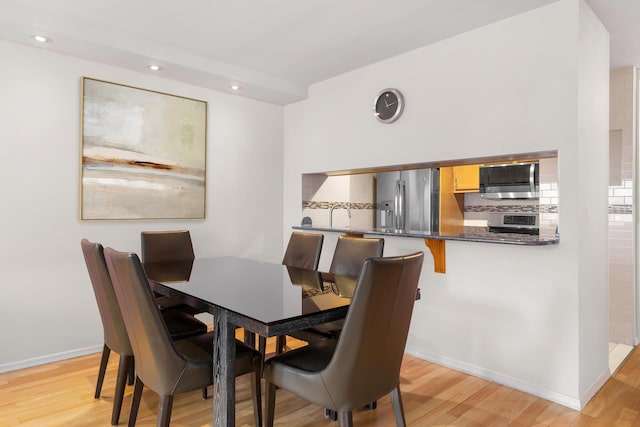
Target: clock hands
x=387, y=105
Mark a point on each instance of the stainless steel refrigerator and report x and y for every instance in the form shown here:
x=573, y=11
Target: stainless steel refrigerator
x=408, y=200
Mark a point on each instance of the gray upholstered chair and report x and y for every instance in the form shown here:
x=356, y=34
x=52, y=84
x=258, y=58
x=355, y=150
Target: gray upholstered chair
x=163, y=246
x=180, y=325
x=364, y=364
x=167, y=367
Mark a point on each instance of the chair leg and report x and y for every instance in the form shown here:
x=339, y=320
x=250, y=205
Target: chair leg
x=281, y=343
x=124, y=367
x=257, y=394
x=135, y=402
x=164, y=411
x=270, y=403
x=262, y=345
x=331, y=414
x=249, y=338
x=345, y=419
x=101, y=371
x=398, y=410
x=205, y=393
x=132, y=372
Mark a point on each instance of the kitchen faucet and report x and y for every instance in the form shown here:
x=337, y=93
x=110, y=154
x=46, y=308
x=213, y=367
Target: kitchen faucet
x=331, y=212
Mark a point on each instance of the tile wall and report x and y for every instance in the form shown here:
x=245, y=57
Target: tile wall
x=320, y=192
x=621, y=259
x=477, y=208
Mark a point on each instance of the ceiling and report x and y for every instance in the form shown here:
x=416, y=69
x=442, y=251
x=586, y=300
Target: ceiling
x=272, y=49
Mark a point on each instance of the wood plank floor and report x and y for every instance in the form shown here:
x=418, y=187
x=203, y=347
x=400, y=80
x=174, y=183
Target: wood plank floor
x=61, y=394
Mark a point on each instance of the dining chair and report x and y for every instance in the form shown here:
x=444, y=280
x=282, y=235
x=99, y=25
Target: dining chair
x=168, y=367
x=303, y=251
x=348, y=258
x=364, y=364
x=160, y=246
x=179, y=325
x=163, y=246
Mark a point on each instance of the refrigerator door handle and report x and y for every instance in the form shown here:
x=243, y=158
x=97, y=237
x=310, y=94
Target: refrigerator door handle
x=400, y=204
x=426, y=198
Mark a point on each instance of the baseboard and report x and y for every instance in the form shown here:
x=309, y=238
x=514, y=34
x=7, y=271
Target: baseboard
x=50, y=358
x=553, y=396
x=597, y=385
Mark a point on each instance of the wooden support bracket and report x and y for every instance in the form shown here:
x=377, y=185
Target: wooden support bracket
x=359, y=235
x=437, y=248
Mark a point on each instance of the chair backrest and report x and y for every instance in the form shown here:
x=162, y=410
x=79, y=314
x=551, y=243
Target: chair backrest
x=159, y=246
x=351, y=252
x=158, y=364
x=367, y=359
x=115, y=333
x=303, y=250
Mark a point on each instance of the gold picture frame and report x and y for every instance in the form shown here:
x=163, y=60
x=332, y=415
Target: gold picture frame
x=143, y=154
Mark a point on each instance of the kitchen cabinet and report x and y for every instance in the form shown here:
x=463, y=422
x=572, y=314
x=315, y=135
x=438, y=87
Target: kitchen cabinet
x=451, y=204
x=466, y=179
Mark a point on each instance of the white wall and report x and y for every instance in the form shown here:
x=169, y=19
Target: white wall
x=592, y=155
x=47, y=309
x=510, y=87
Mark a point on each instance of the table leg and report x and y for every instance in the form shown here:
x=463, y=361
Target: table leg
x=224, y=382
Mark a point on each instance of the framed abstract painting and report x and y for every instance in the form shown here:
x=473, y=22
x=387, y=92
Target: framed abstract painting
x=143, y=154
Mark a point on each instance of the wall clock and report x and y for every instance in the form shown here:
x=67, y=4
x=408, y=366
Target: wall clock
x=388, y=105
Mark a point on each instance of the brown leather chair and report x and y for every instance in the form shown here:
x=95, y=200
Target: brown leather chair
x=364, y=364
x=351, y=252
x=167, y=367
x=348, y=258
x=303, y=251
x=162, y=246
x=180, y=325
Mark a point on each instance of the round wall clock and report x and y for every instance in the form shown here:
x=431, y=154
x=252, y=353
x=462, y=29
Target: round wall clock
x=388, y=105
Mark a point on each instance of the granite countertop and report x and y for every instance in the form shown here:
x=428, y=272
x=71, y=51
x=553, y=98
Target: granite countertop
x=470, y=234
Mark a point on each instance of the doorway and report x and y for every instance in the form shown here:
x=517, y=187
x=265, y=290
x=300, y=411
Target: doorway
x=622, y=239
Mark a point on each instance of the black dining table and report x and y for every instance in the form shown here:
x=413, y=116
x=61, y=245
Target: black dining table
x=264, y=298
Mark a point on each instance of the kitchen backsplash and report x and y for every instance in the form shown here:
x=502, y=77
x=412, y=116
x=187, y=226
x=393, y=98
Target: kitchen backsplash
x=320, y=192
x=478, y=209
x=622, y=293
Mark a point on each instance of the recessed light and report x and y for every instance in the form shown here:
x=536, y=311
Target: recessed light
x=40, y=38
x=234, y=87
x=154, y=67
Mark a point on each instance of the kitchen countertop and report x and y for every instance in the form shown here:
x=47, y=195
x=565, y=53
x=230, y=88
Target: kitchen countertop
x=470, y=234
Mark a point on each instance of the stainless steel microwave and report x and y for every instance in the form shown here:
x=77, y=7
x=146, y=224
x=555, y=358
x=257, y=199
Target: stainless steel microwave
x=510, y=181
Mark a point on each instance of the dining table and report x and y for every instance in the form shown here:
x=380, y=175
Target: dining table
x=264, y=298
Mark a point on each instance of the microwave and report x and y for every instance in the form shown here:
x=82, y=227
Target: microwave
x=510, y=181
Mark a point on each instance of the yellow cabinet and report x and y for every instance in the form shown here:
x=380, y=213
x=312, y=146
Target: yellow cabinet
x=466, y=179
x=451, y=204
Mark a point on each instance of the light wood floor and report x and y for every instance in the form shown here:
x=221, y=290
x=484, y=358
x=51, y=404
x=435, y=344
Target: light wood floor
x=61, y=394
